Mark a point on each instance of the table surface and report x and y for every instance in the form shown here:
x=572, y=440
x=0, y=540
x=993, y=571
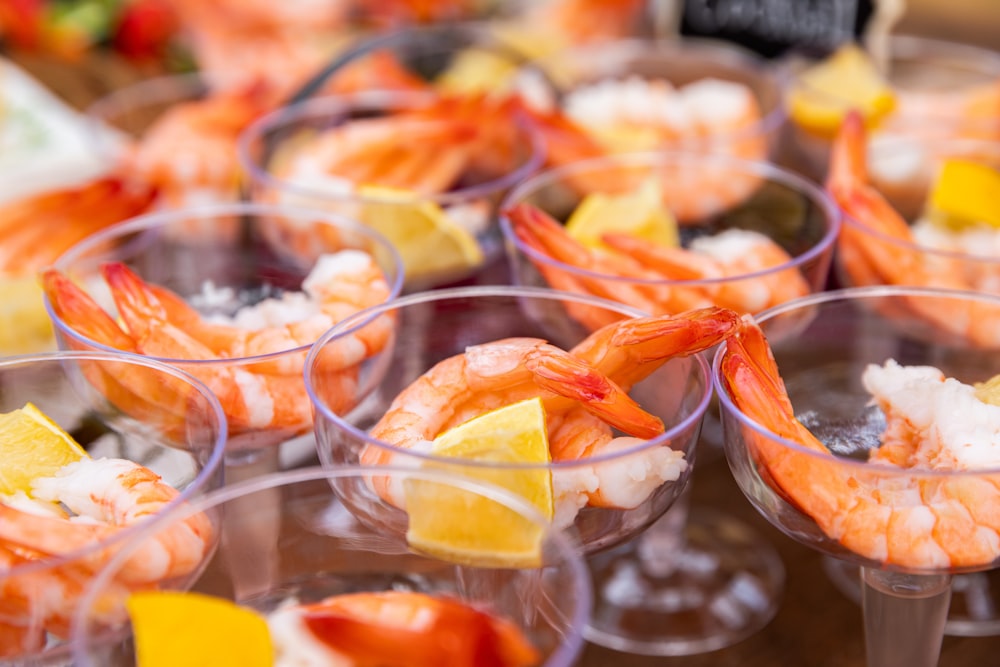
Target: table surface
x=815, y=625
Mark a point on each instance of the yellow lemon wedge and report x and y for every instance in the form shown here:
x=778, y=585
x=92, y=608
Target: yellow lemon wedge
x=476, y=71
x=429, y=241
x=822, y=95
x=24, y=324
x=178, y=628
x=965, y=194
x=640, y=213
x=32, y=446
x=989, y=390
x=461, y=526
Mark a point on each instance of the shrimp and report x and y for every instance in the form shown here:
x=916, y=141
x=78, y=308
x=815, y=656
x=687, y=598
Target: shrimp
x=879, y=511
x=399, y=628
x=735, y=269
x=592, y=379
x=82, y=505
x=39, y=228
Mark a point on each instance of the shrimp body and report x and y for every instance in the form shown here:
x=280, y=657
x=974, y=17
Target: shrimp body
x=83, y=504
x=663, y=279
x=878, y=511
x=396, y=628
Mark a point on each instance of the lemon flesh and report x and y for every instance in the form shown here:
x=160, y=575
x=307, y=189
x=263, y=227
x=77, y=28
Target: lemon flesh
x=640, y=213
x=428, y=240
x=24, y=324
x=465, y=527
x=965, y=194
x=824, y=93
x=176, y=628
x=32, y=446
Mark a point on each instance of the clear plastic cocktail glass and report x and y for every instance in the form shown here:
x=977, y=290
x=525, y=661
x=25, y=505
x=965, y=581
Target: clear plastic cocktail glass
x=712, y=198
x=301, y=536
x=243, y=324
x=422, y=185
x=117, y=407
x=910, y=526
x=607, y=488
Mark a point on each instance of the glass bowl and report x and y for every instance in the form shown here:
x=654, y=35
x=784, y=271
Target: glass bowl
x=302, y=536
x=126, y=411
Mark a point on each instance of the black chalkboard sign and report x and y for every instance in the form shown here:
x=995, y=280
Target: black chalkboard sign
x=773, y=27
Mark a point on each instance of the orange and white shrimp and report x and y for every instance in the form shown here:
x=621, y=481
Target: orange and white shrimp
x=920, y=503
x=584, y=392
x=83, y=505
x=423, y=630
x=736, y=269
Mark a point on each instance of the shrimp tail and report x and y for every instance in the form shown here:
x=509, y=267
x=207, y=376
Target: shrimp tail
x=848, y=164
x=572, y=378
x=82, y=314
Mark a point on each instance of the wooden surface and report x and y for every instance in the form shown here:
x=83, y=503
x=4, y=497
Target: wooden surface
x=816, y=625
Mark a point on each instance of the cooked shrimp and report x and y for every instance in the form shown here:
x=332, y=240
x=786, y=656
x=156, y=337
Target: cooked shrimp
x=570, y=22
x=83, y=504
x=736, y=269
x=879, y=511
x=425, y=631
x=39, y=228
x=592, y=378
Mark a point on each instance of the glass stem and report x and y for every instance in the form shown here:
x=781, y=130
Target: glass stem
x=660, y=545
x=904, y=617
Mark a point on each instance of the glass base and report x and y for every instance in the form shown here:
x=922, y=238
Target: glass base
x=722, y=583
x=975, y=598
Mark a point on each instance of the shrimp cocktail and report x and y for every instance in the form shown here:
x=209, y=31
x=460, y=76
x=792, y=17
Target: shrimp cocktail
x=869, y=433
x=237, y=304
x=917, y=211
x=298, y=579
x=86, y=464
x=576, y=403
x=925, y=89
x=424, y=170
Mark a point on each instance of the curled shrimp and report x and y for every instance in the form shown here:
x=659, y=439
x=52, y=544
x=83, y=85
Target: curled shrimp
x=735, y=269
x=583, y=391
x=84, y=504
x=880, y=511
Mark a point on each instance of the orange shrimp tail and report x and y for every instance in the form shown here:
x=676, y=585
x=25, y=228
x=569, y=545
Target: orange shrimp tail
x=565, y=141
x=458, y=634
x=848, y=163
x=377, y=71
x=136, y=302
x=81, y=313
x=570, y=377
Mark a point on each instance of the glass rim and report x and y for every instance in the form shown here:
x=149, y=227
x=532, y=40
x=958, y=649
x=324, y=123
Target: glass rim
x=162, y=219
x=210, y=467
x=767, y=170
x=326, y=105
x=714, y=50
x=358, y=320
x=567, y=546
x=848, y=295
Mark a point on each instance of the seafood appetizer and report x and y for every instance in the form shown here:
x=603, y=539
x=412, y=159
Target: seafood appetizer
x=637, y=258
x=953, y=240
x=584, y=410
x=252, y=360
x=388, y=628
x=917, y=502
x=61, y=514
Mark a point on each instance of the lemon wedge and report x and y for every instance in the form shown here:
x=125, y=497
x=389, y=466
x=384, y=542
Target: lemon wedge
x=989, y=390
x=965, y=194
x=429, y=241
x=32, y=446
x=640, y=213
x=476, y=71
x=823, y=94
x=621, y=138
x=461, y=526
x=178, y=628
x=24, y=324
